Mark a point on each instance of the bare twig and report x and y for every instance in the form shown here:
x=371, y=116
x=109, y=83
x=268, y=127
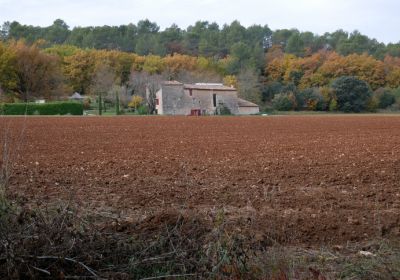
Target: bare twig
x=80, y=277
x=163, y=256
x=168, y=276
x=41, y=270
x=91, y=271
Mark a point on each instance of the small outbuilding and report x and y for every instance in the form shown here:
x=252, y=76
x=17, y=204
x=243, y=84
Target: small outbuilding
x=247, y=107
x=76, y=96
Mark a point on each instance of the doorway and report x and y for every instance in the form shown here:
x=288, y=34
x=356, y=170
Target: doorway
x=195, y=112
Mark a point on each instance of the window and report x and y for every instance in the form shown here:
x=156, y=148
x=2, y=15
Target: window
x=190, y=92
x=157, y=101
x=215, y=100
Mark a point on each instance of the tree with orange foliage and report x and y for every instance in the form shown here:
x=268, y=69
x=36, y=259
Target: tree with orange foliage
x=39, y=74
x=276, y=51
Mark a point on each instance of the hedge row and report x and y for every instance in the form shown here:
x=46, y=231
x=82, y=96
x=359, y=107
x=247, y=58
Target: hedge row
x=54, y=108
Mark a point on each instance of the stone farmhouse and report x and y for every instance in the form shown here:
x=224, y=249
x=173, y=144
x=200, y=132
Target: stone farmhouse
x=175, y=98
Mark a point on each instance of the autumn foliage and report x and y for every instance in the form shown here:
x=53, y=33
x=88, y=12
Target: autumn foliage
x=287, y=81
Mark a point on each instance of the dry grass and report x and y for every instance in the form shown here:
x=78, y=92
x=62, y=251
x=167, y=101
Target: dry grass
x=61, y=242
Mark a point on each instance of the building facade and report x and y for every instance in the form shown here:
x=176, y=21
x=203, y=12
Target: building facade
x=175, y=98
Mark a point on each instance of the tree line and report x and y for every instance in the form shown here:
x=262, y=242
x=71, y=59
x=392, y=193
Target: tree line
x=283, y=69
x=201, y=39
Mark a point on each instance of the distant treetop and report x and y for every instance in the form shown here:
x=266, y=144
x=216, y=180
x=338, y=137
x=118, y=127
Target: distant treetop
x=201, y=39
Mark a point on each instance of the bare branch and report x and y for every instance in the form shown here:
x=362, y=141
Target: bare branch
x=41, y=270
x=168, y=276
x=91, y=271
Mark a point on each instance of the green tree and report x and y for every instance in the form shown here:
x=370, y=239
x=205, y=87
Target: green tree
x=57, y=33
x=5, y=30
x=281, y=36
x=295, y=45
x=171, y=39
x=385, y=97
x=352, y=94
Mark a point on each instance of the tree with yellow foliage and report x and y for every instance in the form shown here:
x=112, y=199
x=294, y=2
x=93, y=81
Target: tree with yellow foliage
x=178, y=62
x=79, y=69
x=153, y=64
x=8, y=71
x=230, y=81
x=135, y=102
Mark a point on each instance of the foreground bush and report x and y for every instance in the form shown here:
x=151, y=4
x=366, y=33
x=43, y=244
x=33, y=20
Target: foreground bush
x=56, y=108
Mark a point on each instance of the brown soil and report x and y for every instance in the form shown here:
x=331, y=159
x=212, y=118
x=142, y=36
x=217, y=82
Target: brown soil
x=301, y=179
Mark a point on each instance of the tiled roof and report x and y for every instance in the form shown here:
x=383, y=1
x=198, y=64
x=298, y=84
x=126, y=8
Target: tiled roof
x=209, y=87
x=76, y=95
x=245, y=103
x=172, y=83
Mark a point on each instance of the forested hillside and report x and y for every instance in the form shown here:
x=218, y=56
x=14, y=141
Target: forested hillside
x=203, y=38
x=284, y=69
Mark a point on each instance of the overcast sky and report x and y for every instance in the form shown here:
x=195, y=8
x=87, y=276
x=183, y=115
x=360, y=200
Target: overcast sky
x=376, y=18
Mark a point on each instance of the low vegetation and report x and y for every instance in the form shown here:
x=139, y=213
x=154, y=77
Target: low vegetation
x=50, y=242
x=54, y=108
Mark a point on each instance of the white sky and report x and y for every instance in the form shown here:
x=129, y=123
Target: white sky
x=376, y=18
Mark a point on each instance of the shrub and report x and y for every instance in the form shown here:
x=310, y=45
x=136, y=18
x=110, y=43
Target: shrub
x=223, y=110
x=284, y=102
x=373, y=104
x=311, y=99
x=332, y=105
x=142, y=110
x=87, y=103
x=382, y=98
x=352, y=94
x=270, y=90
x=55, y=108
x=135, y=102
x=386, y=99
x=396, y=93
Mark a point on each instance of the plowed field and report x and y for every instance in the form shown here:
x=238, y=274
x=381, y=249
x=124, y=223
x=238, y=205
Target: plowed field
x=293, y=179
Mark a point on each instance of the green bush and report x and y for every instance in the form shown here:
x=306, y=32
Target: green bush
x=54, y=108
x=382, y=98
x=223, y=110
x=386, y=99
x=311, y=99
x=352, y=94
x=332, y=105
x=142, y=110
x=284, y=101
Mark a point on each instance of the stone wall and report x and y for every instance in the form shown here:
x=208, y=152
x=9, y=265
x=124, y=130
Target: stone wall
x=174, y=100
x=177, y=100
x=249, y=110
